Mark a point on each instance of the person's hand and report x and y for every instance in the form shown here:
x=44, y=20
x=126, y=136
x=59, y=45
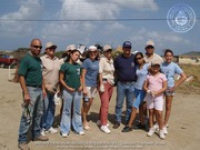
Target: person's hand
x=71, y=89
x=84, y=91
x=80, y=88
x=102, y=89
x=27, y=98
x=44, y=93
x=172, y=88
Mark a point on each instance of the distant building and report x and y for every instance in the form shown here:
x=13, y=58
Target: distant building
x=189, y=59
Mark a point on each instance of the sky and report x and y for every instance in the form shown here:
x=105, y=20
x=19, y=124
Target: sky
x=88, y=22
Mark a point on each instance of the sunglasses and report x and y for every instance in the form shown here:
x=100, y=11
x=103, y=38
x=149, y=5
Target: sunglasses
x=52, y=48
x=37, y=47
x=138, y=58
x=149, y=47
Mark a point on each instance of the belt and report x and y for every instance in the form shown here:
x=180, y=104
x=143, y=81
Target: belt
x=127, y=81
x=35, y=86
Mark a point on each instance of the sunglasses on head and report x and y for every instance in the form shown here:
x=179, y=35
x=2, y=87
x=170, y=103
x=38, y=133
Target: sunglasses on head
x=37, y=47
x=149, y=47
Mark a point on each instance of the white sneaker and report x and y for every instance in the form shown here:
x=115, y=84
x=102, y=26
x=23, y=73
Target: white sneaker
x=151, y=132
x=165, y=130
x=43, y=132
x=99, y=123
x=155, y=126
x=52, y=130
x=81, y=133
x=105, y=129
x=162, y=135
x=64, y=135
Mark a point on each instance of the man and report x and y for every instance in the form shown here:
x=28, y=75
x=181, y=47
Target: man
x=150, y=55
x=30, y=78
x=51, y=65
x=126, y=75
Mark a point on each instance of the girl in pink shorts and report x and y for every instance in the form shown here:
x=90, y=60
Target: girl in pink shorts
x=155, y=84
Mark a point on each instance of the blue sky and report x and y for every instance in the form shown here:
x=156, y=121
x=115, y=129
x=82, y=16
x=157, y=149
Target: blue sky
x=15, y=34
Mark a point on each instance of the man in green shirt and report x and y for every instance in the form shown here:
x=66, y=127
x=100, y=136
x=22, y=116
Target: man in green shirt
x=30, y=78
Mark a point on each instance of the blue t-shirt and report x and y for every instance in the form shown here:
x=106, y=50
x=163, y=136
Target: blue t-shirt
x=92, y=68
x=170, y=70
x=141, y=76
x=125, y=67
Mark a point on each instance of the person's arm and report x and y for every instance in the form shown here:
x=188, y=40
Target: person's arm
x=83, y=74
x=44, y=93
x=61, y=77
x=81, y=82
x=145, y=86
x=181, y=80
x=25, y=91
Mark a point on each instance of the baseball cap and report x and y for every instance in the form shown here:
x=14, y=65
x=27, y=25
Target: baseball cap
x=71, y=47
x=50, y=44
x=107, y=47
x=127, y=44
x=92, y=48
x=155, y=62
x=150, y=43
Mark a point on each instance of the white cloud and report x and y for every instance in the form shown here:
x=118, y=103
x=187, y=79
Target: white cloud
x=12, y=28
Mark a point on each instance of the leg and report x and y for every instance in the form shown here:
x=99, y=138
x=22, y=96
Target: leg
x=45, y=112
x=76, y=119
x=133, y=116
x=168, y=109
x=66, y=114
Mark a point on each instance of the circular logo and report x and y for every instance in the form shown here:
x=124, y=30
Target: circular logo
x=181, y=18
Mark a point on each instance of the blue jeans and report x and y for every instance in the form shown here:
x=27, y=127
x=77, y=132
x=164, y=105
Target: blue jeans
x=124, y=90
x=49, y=111
x=36, y=111
x=71, y=99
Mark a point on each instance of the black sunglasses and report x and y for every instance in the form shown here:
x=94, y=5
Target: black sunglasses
x=138, y=58
x=149, y=47
x=37, y=47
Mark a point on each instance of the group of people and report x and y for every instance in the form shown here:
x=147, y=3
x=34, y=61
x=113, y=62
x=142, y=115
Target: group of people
x=140, y=79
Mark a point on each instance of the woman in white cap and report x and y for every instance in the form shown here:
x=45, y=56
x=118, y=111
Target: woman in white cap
x=89, y=75
x=106, y=80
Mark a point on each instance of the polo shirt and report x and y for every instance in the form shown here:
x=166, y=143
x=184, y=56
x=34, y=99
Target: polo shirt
x=50, y=71
x=71, y=74
x=126, y=69
x=31, y=68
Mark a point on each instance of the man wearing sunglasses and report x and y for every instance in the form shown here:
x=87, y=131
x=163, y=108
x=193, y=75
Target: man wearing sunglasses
x=150, y=55
x=50, y=71
x=30, y=78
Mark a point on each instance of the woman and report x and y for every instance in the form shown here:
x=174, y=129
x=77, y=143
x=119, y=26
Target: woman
x=141, y=72
x=89, y=75
x=106, y=82
x=170, y=68
x=70, y=79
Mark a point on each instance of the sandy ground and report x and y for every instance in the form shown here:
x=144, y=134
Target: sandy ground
x=184, y=131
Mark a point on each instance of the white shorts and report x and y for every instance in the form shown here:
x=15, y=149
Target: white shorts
x=91, y=93
x=154, y=102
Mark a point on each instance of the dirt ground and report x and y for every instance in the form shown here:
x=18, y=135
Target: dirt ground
x=184, y=131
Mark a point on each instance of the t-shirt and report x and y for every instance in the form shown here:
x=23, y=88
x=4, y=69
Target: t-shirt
x=125, y=67
x=141, y=76
x=71, y=74
x=31, y=68
x=170, y=70
x=92, y=68
x=156, y=82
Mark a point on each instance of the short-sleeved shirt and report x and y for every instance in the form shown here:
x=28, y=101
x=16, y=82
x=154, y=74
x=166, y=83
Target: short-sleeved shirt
x=31, y=68
x=141, y=75
x=50, y=70
x=126, y=68
x=170, y=70
x=92, y=70
x=106, y=67
x=155, y=83
x=154, y=57
x=71, y=74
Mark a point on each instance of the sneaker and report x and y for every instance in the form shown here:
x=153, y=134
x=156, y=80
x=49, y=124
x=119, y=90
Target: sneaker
x=140, y=126
x=64, y=135
x=43, y=132
x=99, y=123
x=151, y=132
x=116, y=125
x=165, y=130
x=127, y=129
x=155, y=126
x=81, y=133
x=105, y=129
x=161, y=135
x=23, y=146
x=52, y=130
x=41, y=138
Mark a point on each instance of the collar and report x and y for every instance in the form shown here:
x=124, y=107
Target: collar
x=48, y=57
